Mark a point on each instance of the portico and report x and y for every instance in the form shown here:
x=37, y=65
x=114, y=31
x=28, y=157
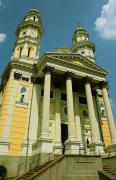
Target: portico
x=74, y=142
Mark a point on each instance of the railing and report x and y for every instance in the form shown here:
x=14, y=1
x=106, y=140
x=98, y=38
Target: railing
x=36, y=160
x=32, y=162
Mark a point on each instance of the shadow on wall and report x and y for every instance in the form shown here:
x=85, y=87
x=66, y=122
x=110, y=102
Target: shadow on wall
x=3, y=172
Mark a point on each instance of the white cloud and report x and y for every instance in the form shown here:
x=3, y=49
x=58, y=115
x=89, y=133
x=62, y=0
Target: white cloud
x=2, y=37
x=105, y=25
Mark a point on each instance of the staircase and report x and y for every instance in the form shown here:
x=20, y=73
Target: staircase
x=108, y=172
x=40, y=169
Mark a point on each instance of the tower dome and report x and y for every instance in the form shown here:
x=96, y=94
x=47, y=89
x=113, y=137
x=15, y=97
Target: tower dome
x=82, y=44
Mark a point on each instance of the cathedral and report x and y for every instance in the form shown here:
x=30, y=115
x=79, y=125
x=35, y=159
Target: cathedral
x=55, y=104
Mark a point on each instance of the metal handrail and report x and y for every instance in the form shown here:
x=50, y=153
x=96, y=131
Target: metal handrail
x=35, y=160
x=33, y=163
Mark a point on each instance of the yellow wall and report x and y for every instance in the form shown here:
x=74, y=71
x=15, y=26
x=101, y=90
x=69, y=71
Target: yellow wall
x=5, y=105
x=19, y=124
x=19, y=117
x=106, y=132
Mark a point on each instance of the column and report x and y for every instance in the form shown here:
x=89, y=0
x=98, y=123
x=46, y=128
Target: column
x=77, y=117
x=45, y=145
x=72, y=145
x=58, y=145
x=70, y=109
x=46, y=104
x=91, y=110
x=109, y=112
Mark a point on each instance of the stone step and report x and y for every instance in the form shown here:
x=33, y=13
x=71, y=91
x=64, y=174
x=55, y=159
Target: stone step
x=108, y=169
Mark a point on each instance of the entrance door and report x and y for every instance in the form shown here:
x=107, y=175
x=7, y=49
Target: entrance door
x=64, y=132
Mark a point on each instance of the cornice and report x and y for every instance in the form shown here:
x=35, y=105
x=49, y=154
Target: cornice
x=25, y=41
x=27, y=37
x=23, y=65
x=36, y=25
x=24, y=57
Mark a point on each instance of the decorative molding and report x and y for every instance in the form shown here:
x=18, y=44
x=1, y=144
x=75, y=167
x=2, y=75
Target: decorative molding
x=68, y=58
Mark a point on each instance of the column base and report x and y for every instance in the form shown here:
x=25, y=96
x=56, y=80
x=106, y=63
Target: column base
x=58, y=148
x=96, y=149
x=72, y=147
x=44, y=145
x=110, y=150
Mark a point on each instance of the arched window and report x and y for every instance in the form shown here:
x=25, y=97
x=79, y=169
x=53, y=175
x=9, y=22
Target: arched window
x=23, y=93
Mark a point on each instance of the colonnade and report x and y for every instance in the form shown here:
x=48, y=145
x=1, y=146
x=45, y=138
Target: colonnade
x=72, y=136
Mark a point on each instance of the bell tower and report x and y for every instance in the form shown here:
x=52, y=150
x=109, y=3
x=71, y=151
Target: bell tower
x=82, y=44
x=17, y=89
x=29, y=32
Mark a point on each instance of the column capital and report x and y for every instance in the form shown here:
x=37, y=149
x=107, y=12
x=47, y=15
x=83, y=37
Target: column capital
x=68, y=75
x=47, y=69
x=103, y=84
x=87, y=79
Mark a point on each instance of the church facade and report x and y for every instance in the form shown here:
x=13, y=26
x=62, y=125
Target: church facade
x=57, y=103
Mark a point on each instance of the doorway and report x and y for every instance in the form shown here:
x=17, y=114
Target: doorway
x=64, y=135
x=64, y=132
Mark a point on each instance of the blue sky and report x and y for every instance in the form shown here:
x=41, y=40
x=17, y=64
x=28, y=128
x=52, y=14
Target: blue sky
x=59, y=19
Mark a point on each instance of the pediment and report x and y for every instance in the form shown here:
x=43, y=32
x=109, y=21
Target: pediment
x=78, y=61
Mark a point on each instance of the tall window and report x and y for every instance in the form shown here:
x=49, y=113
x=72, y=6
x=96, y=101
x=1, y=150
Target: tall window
x=29, y=52
x=23, y=93
x=20, y=51
x=103, y=112
x=34, y=18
